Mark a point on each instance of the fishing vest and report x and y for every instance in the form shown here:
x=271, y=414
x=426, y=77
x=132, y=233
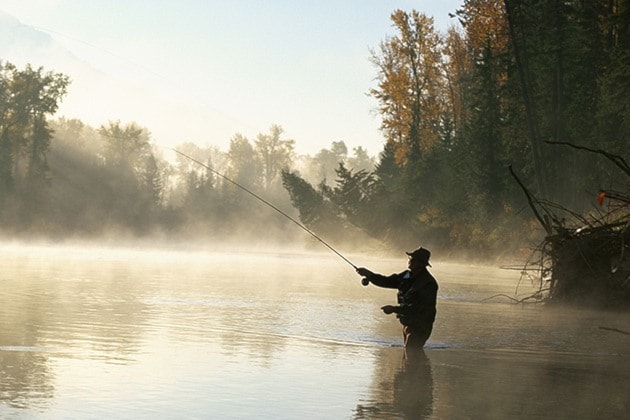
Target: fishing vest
x=418, y=296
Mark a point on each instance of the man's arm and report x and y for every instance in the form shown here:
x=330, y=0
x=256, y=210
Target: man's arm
x=389, y=282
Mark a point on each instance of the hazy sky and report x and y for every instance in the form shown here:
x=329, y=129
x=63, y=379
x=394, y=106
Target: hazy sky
x=227, y=67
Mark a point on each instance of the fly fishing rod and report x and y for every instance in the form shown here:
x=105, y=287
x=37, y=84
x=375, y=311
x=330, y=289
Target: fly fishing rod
x=307, y=230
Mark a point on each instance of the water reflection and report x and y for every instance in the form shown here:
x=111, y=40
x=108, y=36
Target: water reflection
x=52, y=309
x=467, y=383
x=406, y=392
x=517, y=384
x=413, y=386
x=26, y=379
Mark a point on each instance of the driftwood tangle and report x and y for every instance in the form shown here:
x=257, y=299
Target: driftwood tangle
x=583, y=259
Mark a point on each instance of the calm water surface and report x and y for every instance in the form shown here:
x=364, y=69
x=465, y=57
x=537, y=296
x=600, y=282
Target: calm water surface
x=127, y=333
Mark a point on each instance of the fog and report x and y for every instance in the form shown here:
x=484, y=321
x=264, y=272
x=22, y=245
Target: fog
x=147, y=197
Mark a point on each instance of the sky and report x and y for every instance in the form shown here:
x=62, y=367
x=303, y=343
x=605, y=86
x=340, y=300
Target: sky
x=205, y=70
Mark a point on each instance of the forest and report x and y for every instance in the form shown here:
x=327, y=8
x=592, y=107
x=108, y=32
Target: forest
x=501, y=91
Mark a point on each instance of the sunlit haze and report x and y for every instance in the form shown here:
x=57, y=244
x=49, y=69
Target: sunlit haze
x=202, y=71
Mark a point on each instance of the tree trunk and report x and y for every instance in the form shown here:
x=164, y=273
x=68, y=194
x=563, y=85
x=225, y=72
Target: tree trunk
x=532, y=130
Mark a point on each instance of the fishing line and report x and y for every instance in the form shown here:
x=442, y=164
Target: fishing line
x=253, y=194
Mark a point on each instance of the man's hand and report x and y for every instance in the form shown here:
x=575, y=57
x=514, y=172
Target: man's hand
x=364, y=272
x=388, y=309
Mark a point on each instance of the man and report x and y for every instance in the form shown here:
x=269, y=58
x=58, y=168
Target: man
x=417, y=296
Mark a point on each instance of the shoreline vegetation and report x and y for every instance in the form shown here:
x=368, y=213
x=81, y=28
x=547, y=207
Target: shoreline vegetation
x=460, y=113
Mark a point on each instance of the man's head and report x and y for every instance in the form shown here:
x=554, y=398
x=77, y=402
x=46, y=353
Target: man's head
x=419, y=258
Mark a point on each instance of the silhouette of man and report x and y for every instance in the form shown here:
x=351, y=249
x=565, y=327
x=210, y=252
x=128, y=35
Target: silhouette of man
x=417, y=297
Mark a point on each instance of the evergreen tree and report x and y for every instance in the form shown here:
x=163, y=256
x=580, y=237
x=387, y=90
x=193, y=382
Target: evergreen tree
x=315, y=210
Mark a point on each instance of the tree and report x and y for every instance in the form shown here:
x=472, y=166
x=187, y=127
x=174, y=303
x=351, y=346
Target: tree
x=413, y=96
x=315, y=211
x=275, y=154
x=560, y=51
x=152, y=182
x=28, y=97
x=457, y=70
x=484, y=137
x=244, y=166
x=410, y=88
x=130, y=170
x=613, y=118
x=361, y=160
x=326, y=160
x=125, y=147
x=352, y=195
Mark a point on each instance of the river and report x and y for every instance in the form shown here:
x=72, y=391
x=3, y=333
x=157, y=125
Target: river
x=124, y=332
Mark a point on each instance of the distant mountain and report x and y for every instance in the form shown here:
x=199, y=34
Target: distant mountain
x=96, y=98
x=13, y=35
x=21, y=44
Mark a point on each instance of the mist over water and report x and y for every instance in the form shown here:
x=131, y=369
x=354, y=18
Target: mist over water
x=94, y=332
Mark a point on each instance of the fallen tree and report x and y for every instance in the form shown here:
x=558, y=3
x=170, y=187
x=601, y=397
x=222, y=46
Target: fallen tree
x=583, y=258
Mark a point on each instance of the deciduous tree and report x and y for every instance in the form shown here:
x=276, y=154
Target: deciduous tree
x=275, y=154
x=411, y=85
x=28, y=98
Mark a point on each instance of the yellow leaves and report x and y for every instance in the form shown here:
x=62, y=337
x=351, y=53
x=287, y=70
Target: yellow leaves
x=485, y=24
x=412, y=89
